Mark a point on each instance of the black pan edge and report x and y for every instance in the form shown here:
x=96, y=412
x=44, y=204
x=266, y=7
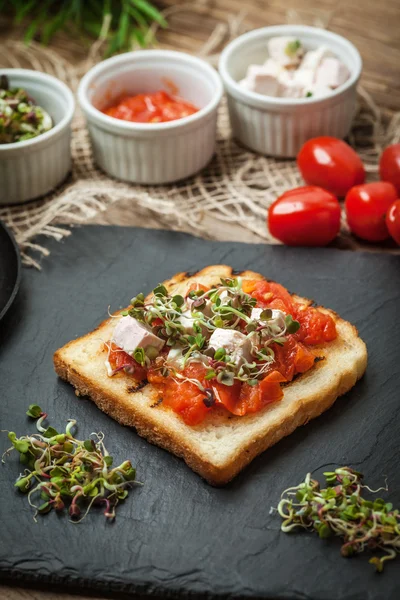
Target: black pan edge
x=18, y=270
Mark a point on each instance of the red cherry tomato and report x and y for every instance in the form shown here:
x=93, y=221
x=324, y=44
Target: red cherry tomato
x=393, y=221
x=366, y=207
x=389, y=166
x=305, y=216
x=330, y=163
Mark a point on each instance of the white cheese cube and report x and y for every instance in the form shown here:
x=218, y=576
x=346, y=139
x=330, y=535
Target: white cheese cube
x=304, y=77
x=237, y=345
x=317, y=91
x=256, y=313
x=130, y=334
x=188, y=321
x=272, y=67
x=246, y=84
x=331, y=73
x=288, y=87
x=262, y=80
x=224, y=297
x=283, y=50
x=175, y=358
x=313, y=58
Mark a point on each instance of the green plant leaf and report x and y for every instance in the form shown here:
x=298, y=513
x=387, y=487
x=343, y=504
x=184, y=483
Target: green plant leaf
x=50, y=27
x=123, y=29
x=324, y=531
x=291, y=325
x=266, y=314
x=21, y=445
x=160, y=290
x=23, y=484
x=22, y=10
x=178, y=299
x=210, y=374
x=45, y=508
x=140, y=356
x=89, y=445
x=130, y=474
x=377, y=562
x=34, y=411
x=31, y=31
x=149, y=10
x=50, y=432
x=137, y=15
x=219, y=354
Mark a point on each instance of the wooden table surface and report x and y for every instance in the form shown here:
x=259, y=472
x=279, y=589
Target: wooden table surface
x=372, y=26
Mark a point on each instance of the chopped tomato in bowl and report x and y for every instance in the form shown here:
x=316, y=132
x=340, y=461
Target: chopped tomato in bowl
x=159, y=107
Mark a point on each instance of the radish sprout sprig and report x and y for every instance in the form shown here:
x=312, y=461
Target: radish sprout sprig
x=186, y=324
x=62, y=471
x=341, y=510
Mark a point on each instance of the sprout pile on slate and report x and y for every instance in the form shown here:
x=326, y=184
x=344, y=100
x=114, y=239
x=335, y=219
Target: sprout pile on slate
x=340, y=509
x=63, y=472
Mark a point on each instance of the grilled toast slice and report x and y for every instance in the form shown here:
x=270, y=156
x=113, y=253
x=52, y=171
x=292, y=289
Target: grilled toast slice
x=223, y=444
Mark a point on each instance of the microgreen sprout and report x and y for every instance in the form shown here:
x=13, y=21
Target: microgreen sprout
x=160, y=290
x=185, y=324
x=341, y=510
x=34, y=411
x=211, y=373
x=178, y=300
x=220, y=354
x=209, y=399
x=140, y=356
x=62, y=471
x=266, y=314
x=291, y=325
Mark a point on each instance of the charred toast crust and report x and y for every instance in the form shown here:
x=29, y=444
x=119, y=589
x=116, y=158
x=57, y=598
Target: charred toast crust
x=169, y=432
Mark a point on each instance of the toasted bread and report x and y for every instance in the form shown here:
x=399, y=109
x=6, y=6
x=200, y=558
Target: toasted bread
x=223, y=444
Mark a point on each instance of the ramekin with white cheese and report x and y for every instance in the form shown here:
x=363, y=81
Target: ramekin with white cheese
x=287, y=84
x=292, y=71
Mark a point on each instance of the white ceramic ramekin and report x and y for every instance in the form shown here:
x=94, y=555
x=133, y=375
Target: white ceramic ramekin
x=280, y=126
x=31, y=168
x=152, y=153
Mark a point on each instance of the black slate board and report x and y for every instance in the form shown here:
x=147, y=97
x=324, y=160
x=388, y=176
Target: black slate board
x=176, y=536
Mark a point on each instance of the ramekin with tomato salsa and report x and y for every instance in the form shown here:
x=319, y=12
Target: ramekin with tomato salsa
x=151, y=115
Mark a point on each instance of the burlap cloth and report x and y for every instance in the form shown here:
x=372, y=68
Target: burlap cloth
x=237, y=187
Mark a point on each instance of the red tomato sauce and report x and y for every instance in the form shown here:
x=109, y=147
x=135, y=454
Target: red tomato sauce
x=294, y=357
x=158, y=107
x=316, y=327
x=120, y=360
